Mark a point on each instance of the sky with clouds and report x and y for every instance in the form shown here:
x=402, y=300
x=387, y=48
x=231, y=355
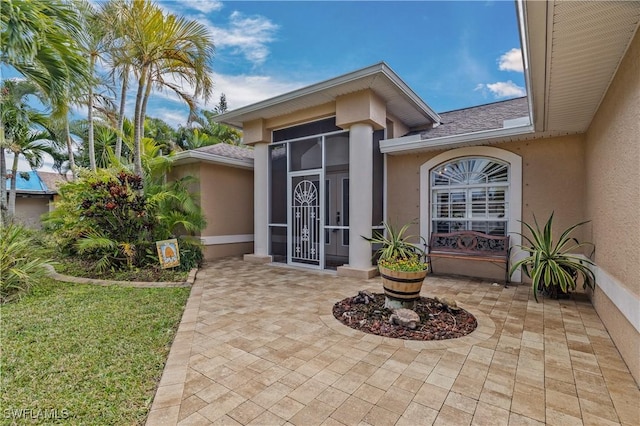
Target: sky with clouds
x=453, y=54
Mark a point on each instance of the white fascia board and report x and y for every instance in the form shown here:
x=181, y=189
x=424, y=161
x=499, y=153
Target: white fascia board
x=193, y=156
x=408, y=144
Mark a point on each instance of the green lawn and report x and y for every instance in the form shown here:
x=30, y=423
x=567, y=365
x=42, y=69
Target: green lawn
x=85, y=354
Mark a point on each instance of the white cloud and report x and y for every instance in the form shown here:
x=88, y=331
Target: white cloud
x=511, y=61
x=241, y=90
x=204, y=6
x=246, y=35
x=172, y=116
x=182, y=7
x=503, y=89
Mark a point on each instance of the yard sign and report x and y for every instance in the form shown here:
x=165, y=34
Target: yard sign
x=168, y=253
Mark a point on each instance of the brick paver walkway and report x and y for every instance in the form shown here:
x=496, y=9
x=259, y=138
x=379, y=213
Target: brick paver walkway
x=258, y=345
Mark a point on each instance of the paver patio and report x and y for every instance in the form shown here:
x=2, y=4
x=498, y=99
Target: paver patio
x=258, y=345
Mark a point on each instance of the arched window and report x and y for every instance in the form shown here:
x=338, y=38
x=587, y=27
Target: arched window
x=481, y=189
x=470, y=193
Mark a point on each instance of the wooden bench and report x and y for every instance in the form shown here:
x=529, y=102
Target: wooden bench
x=470, y=245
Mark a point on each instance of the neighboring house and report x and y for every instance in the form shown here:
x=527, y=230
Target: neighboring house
x=35, y=193
x=335, y=159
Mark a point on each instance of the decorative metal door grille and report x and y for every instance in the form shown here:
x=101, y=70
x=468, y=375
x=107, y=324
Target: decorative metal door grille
x=305, y=218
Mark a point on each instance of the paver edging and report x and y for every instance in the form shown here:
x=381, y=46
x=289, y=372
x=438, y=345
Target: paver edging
x=137, y=284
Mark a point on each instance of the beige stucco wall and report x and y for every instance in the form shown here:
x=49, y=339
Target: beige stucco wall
x=226, y=196
x=612, y=156
x=552, y=180
x=361, y=107
x=29, y=210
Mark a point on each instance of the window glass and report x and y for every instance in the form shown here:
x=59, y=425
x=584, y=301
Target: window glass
x=470, y=194
x=378, y=180
x=278, y=176
x=336, y=148
x=306, y=154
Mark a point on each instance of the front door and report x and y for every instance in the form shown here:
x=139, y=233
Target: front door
x=305, y=221
x=336, y=230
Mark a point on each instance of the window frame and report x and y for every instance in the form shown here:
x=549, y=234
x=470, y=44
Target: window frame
x=468, y=205
x=514, y=161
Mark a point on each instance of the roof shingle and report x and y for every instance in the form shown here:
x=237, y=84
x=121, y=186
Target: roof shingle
x=478, y=118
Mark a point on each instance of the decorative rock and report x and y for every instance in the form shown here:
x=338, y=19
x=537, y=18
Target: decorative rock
x=363, y=297
x=405, y=318
x=448, y=304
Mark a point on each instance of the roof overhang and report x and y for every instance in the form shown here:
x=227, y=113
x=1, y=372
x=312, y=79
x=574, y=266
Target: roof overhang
x=194, y=156
x=574, y=49
x=401, y=101
x=571, y=52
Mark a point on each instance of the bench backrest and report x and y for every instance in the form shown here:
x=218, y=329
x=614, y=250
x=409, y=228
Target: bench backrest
x=469, y=242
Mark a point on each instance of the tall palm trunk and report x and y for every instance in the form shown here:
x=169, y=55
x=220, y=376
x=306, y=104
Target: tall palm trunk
x=72, y=161
x=90, y=137
x=137, y=146
x=3, y=174
x=143, y=109
x=12, y=190
x=123, y=102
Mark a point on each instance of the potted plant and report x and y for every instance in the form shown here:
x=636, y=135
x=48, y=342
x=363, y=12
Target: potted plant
x=553, y=265
x=401, y=264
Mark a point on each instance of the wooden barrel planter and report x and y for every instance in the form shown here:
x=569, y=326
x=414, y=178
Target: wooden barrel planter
x=402, y=286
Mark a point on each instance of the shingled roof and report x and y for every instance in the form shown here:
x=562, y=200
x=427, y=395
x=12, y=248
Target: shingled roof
x=478, y=118
x=229, y=151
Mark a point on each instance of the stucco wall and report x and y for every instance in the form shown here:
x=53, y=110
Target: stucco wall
x=552, y=180
x=29, y=210
x=612, y=155
x=226, y=197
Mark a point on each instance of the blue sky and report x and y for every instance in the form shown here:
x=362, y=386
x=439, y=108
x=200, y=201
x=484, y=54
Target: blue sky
x=453, y=54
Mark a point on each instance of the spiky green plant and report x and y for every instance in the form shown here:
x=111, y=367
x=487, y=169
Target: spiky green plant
x=553, y=262
x=395, y=244
x=20, y=266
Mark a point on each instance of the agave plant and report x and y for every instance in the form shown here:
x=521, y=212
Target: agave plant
x=552, y=264
x=396, y=251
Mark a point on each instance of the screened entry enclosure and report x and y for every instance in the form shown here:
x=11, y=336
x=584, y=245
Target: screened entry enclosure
x=309, y=195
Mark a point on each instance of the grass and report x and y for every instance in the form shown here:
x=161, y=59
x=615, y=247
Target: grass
x=86, y=354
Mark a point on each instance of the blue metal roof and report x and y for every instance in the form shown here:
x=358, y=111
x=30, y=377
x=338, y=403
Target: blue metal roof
x=34, y=183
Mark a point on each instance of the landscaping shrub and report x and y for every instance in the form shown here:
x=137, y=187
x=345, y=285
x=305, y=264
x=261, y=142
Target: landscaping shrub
x=107, y=217
x=20, y=265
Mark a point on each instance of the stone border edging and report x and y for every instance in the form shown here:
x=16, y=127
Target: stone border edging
x=137, y=284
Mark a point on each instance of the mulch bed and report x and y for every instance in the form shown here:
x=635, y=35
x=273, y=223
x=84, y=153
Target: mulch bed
x=437, y=321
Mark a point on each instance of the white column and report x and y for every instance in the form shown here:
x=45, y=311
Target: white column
x=260, y=204
x=360, y=195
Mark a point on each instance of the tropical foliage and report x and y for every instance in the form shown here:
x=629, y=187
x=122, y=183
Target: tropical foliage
x=26, y=131
x=106, y=217
x=20, y=265
x=395, y=250
x=554, y=265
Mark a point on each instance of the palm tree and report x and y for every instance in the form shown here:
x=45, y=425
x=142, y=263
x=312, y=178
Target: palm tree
x=115, y=15
x=26, y=130
x=164, y=51
x=95, y=44
x=38, y=39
